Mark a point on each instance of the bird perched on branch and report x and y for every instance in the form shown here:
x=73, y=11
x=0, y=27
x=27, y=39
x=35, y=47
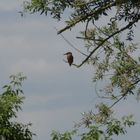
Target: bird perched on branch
x=69, y=58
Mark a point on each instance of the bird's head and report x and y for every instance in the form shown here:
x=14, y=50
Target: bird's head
x=68, y=53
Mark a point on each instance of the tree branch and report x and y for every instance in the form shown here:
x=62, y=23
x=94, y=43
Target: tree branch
x=83, y=18
x=125, y=94
x=117, y=32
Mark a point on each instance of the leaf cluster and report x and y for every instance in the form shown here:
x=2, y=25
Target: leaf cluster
x=97, y=132
x=10, y=103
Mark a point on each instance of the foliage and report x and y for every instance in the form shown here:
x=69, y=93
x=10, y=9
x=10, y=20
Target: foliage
x=110, y=49
x=10, y=103
x=98, y=132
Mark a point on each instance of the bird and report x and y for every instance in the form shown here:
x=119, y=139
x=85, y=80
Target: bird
x=69, y=57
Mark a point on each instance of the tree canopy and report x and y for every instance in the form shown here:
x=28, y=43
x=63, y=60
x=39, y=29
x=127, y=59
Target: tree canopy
x=10, y=103
x=110, y=49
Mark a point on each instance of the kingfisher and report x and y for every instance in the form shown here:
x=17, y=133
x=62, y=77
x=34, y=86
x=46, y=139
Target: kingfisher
x=69, y=57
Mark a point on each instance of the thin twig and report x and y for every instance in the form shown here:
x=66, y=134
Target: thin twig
x=86, y=28
x=100, y=30
x=71, y=43
x=117, y=101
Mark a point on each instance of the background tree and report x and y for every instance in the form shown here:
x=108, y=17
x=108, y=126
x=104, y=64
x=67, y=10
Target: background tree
x=110, y=49
x=10, y=103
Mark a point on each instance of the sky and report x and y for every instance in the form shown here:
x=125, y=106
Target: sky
x=56, y=94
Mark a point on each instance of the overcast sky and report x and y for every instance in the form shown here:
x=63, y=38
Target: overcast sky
x=56, y=94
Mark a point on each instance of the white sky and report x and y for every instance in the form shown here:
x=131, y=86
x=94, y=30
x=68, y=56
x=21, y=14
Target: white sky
x=56, y=94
